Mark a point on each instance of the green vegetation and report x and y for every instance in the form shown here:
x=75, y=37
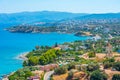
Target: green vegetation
x=116, y=66
x=43, y=55
x=71, y=66
x=91, y=54
x=107, y=65
x=40, y=58
x=97, y=75
x=61, y=70
x=47, y=57
x=92, y=67
x=22, y=74
x=108, y=62
x=79, y=55
x=116, y=77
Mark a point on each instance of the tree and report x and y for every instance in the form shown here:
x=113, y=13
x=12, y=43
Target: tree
x=47, y=57
x=77, y=58
x=107, y=65
x=92, y=67
x=116, y=77
x=61, y=70
x=33, y=60
x=91, y=54
x=28, y=74
x=71, y=66
x=97, y=75
x=13, y=77
x=42, y=60
x=21, y=74
x=25, y=63
x=79, y=52
x=110, y=60
x=58, y=53
x=30, y=54
x=116, y=65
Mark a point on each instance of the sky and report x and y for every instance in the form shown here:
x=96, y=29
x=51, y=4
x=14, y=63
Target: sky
x=74, y=6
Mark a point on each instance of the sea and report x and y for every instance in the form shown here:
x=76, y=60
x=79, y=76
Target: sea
x=14, y=44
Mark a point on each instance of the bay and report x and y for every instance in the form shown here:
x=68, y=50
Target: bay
x=13, y=44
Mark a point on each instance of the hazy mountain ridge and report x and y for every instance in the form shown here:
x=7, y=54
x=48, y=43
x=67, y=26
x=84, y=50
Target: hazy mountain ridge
x=108, y=17
x=32, y=17
x=52, y=18
x=101, y=16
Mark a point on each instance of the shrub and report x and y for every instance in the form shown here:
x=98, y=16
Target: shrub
x=116, y=65
x=29, y=54
x=47, y=57
x=97, y=75
x=91, y=54
x=61, y=70
x=92, y=67
x=107, y=65
x=70, y=75
x=77, y=58
x=71, y=66
x=112, y=59
x=109, y=60
x=33, y=60
x=79, y=53
x=116, y=77
x=21, y=74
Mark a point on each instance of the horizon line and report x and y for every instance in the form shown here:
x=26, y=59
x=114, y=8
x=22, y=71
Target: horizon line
x=58, y=11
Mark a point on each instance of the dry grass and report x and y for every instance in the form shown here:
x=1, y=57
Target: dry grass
x=117, y=56
x=100, y=55
x=60, y=77
x=110, y=73
x=79, y=75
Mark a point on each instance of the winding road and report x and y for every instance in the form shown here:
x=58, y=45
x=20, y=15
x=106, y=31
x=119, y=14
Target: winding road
x=47, y=75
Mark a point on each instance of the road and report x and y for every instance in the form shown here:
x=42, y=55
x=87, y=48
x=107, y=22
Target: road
x=47, y=75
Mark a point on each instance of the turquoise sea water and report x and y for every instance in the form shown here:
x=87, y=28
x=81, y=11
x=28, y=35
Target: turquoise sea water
x=13, y=44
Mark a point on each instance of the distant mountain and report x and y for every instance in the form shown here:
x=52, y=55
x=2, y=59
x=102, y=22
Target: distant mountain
x=66, y=22
x=90, y=19
x=108, y=17
x=36, y=17
x=102, y=16
x=52, y=18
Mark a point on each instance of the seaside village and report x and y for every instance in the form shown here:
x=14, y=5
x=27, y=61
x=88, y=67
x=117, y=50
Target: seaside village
x=81, y=65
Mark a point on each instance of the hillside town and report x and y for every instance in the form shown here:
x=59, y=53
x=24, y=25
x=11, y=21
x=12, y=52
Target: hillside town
x=80, y=60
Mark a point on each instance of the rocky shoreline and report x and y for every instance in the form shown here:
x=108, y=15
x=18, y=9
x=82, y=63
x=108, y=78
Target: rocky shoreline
x=30, y=29
x=22, y=56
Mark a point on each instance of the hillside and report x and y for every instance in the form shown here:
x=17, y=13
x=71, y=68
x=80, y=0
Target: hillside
x=35, y=17
x=52, y=18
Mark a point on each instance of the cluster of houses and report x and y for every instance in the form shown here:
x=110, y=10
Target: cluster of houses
x=67, y=47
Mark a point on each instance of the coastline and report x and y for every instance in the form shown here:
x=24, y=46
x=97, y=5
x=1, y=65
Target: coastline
x=22, y=56
x=5, y=77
